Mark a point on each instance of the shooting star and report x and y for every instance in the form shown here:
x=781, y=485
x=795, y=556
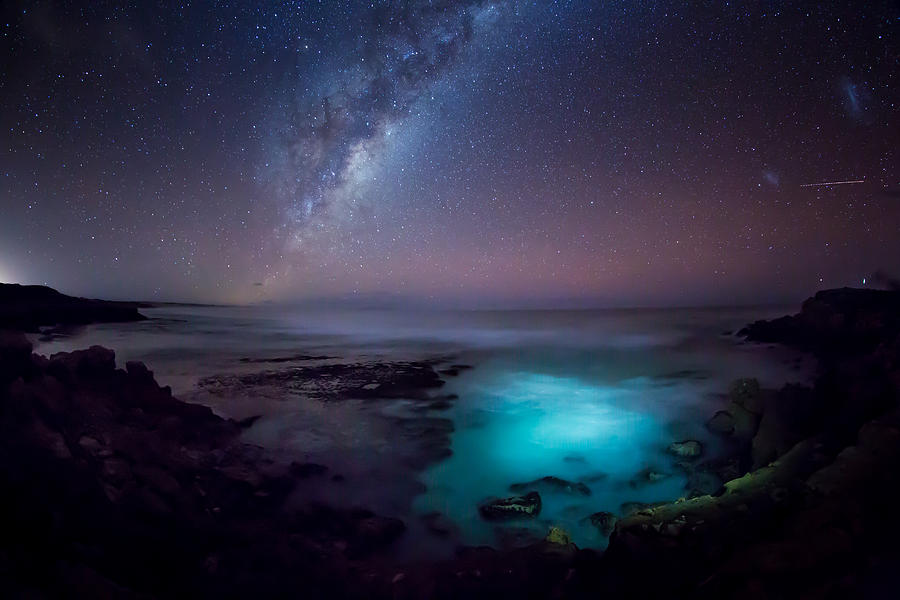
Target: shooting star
x=824, y=183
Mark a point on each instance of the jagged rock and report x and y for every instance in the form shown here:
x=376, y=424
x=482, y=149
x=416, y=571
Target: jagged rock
x=94, y=361
x=515, y=507
x=553, y=484
x=686, y=449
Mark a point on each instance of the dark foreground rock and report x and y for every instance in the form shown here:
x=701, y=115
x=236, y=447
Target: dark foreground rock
x=29, y=307
x=803, y=511
x=112, y=487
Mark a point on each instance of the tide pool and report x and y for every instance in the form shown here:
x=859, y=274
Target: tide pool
x=518, y=427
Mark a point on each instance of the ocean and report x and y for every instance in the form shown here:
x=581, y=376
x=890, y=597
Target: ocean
x=588, y=396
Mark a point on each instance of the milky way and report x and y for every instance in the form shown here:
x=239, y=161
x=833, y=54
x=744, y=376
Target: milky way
x=467, y=153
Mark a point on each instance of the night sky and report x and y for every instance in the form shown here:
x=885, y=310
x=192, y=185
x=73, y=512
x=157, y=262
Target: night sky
x=553, y=153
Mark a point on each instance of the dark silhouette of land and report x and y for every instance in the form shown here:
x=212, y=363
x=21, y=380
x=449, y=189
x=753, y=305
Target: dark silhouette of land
x=29, y=307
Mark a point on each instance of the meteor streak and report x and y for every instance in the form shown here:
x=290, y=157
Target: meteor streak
x=832, y=183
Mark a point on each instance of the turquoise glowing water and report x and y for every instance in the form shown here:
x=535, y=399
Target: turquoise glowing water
x=521, y=426
x=589, y=396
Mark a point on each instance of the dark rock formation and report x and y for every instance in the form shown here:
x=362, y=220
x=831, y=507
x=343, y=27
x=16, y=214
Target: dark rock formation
x=839, y=322
x=805, y=516
x=515, y=507
x=29, y=307
x=335, y=382
x=112, y=486
x=552, y=484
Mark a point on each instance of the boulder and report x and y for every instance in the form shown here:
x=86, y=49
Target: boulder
x=515, y=507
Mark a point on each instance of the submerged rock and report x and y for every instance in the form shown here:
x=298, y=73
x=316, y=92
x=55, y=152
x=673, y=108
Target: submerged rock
x=604, y=521
x=514, y=507
x=647, y=476
x=554, y=484
x=686, y=449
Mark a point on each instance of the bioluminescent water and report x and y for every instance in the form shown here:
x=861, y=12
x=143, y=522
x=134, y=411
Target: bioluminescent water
x=521, y=426
x=590, y=397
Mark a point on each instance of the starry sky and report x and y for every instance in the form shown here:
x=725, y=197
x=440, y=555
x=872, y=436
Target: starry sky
x=457, y=152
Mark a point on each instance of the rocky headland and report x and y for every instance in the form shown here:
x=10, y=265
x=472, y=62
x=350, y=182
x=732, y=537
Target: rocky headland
x=30, y=307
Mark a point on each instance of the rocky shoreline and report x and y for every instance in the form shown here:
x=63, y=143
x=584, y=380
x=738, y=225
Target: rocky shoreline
x=118, y=489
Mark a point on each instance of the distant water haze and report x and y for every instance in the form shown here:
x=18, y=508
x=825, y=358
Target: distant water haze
x=592, y=396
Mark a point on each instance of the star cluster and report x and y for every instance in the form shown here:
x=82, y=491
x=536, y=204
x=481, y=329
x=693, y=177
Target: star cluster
x=465, y=152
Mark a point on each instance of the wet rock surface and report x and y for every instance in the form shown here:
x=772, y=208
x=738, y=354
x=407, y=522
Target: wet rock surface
x=341, y=381
x=515, y=507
